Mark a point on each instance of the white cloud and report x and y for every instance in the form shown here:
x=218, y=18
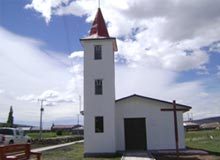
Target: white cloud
x=159, y=32
x=40, y=69
x=157, y=42
x=27, y=73
x=1, y=91
x=164, y=56
x=76, y=54
x=162, y=84
x=182, y=61
x=183, y=19
x=73, y=8
x=203, y=70
x=218, y=71
x=51, y=97
x=215, y=47
x=30, y=98
x=45, y=7
x=49, y=94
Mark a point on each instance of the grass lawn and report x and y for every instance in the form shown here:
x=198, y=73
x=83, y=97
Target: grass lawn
x=73, y=152
x=208, y=140
x=47, y=134
x=35, y=135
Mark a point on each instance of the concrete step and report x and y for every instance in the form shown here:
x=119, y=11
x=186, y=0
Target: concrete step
x=137, y=156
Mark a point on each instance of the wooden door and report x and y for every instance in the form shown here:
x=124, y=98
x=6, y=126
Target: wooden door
x=135, y=134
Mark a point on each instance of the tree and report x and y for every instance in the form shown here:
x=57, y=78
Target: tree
x=10, y=121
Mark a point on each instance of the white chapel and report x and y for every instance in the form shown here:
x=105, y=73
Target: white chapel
x=131, y=123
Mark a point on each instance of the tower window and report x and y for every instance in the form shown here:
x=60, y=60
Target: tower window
x=98, y=86
x=99, y=124
x=98, y=52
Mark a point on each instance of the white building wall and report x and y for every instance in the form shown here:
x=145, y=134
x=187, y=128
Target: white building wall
x=99, y=105
x=159, y=125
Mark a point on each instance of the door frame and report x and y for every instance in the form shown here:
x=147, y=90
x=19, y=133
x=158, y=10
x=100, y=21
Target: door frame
x=145, y=131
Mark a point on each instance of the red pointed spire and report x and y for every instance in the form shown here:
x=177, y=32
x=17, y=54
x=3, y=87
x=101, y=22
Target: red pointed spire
x=99, y=27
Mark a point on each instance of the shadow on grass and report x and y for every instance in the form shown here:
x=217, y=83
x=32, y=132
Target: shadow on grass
x=209, y=152
x=175, y=158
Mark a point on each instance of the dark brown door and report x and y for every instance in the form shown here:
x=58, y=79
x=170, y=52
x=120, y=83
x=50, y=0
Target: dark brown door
x=135, y=133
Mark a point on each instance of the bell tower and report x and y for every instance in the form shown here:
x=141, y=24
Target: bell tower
x=99, y=89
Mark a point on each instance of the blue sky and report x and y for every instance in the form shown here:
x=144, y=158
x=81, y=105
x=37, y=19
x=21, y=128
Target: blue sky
x=166, y=51
x=62, y=34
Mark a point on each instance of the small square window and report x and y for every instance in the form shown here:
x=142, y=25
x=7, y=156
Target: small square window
x=98, y=52
x=99, y=124
x=98, y=87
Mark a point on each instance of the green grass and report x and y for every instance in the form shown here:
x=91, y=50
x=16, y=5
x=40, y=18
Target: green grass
x=44, y=135
x=206, y=140
x=47, y=134
x=194, y=139
x=73, y=152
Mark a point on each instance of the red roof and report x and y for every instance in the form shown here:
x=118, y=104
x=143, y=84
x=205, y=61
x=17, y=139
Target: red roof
x=99, y=27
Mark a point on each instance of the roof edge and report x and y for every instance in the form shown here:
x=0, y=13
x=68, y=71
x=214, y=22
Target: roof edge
x=135, y=95
x=114, y=43
x=104, y=38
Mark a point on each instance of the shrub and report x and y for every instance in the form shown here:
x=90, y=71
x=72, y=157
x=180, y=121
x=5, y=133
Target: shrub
x=58, y=140
x=59, y=133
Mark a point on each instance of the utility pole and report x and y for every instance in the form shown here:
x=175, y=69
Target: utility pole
x=79, y=110
x=41, y=113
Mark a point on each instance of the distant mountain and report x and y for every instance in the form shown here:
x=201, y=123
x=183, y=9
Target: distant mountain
x=17, y=125
x=207, y=120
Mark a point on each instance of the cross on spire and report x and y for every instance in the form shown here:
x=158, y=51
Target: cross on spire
x=98, y=3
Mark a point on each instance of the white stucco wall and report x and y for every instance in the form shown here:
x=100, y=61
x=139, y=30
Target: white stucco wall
x=99, y=105
x=159, y=125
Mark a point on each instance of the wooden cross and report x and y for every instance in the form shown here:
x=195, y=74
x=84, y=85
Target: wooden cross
x=174, y=110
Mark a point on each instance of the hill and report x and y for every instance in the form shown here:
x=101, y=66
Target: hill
x=16, y=125
x=207, y=120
